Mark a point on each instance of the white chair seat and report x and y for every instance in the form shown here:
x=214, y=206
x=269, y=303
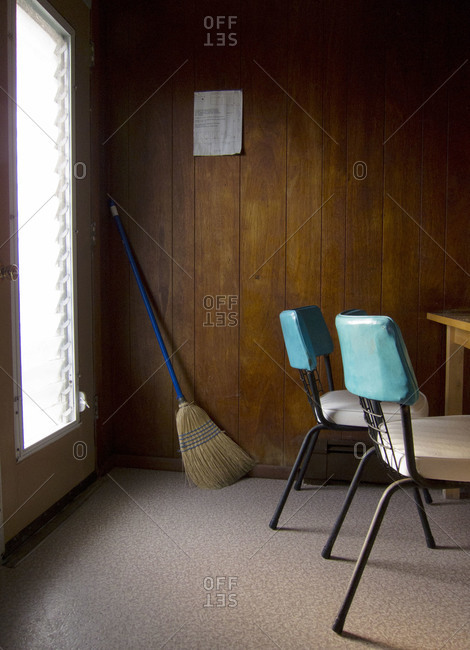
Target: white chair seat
x=441, y=444
x=342, y=407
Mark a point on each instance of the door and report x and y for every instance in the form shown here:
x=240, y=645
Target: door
x=46, y=348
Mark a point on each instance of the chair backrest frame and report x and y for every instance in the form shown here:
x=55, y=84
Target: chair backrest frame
x=313, y=389
x=306, y=336
x=363, y=360
x=308, y=341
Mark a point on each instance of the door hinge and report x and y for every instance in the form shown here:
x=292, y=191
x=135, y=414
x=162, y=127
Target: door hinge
x=9, y=272
x=92, y=54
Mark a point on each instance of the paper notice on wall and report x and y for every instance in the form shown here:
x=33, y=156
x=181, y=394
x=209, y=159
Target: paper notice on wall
x=218, y=123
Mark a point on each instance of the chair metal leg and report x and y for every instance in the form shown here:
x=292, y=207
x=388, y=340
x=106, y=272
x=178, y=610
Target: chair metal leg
x=430, y=543
x=305, y=462
x=326, y=552
x=365, y=552
x=427, y=496
x=311, y=437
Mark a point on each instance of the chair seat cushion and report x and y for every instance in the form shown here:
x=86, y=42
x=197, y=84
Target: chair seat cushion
x=342, y=407
x=441, y=444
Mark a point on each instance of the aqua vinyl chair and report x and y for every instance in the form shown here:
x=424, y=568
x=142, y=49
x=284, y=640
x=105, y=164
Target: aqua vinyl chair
x=432, y=452
x=307, y=339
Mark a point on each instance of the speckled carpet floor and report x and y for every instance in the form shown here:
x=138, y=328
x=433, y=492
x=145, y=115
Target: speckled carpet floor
x=150, y=562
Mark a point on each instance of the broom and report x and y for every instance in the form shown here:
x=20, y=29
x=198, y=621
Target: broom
x=211, y=459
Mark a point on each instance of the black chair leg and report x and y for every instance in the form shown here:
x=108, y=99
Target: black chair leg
x=365, y=552
x=326, y=552
x=305, y=462
x=427, y=496
x=430, y=543
x=309, y=442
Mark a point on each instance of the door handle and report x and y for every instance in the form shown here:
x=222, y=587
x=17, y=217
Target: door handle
x=10, y=272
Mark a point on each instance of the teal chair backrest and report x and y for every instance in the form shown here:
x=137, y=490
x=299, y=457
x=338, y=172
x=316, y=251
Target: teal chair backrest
x=306, y=336
x=375, y=359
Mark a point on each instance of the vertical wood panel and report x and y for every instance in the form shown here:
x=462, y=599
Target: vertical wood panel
x=183, y=212
x=217, y=289
x=150, y=233
x=335, y=124
x=365, y=145
x=115, y=270
x=431, y=347
x=263, y=231
x=304, y=193
x=403, y=138
x=217, y=229
x=457, y=284
x=151, y=63
x=457, y=264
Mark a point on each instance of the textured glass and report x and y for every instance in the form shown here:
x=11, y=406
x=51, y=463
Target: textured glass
x=47, y=350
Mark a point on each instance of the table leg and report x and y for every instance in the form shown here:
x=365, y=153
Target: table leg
x=454, y=371
x=456, y=339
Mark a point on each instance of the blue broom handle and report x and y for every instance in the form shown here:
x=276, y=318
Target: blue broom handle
x=125, y=241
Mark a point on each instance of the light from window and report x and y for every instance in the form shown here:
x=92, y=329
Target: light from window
x=46, y=299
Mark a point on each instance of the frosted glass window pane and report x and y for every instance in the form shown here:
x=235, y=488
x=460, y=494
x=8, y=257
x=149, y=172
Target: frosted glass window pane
x=44, y=226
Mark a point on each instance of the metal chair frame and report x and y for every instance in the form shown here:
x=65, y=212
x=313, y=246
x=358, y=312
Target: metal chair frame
x=384, y=448
x=313, y=389
x=374, y=419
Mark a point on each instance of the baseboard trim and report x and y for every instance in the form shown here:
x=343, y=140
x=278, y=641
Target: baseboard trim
x=176, y=465
x=146, y=462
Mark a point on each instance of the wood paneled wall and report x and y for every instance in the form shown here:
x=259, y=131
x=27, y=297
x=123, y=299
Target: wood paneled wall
x=352, y=190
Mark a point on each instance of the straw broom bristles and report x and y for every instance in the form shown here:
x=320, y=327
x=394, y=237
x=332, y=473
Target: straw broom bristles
x=211, y=458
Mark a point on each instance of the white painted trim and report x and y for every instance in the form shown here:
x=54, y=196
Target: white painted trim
x=11, y=58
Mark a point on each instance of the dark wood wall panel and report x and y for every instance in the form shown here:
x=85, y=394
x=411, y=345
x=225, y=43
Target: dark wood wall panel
x=351, y=191
x=263, y=230
x=335, y=64
x=457, y=246
x=434, y=170
x=217, y=288
x=217, y=273
x=304, y=194
x=150, y=231
x=183, y=226
x=365, y=157
x=115, y=309
x=457, y=288
x=403, y=148
x=304, y=154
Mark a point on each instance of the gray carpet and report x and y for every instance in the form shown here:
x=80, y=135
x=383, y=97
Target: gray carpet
x=150, y=562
